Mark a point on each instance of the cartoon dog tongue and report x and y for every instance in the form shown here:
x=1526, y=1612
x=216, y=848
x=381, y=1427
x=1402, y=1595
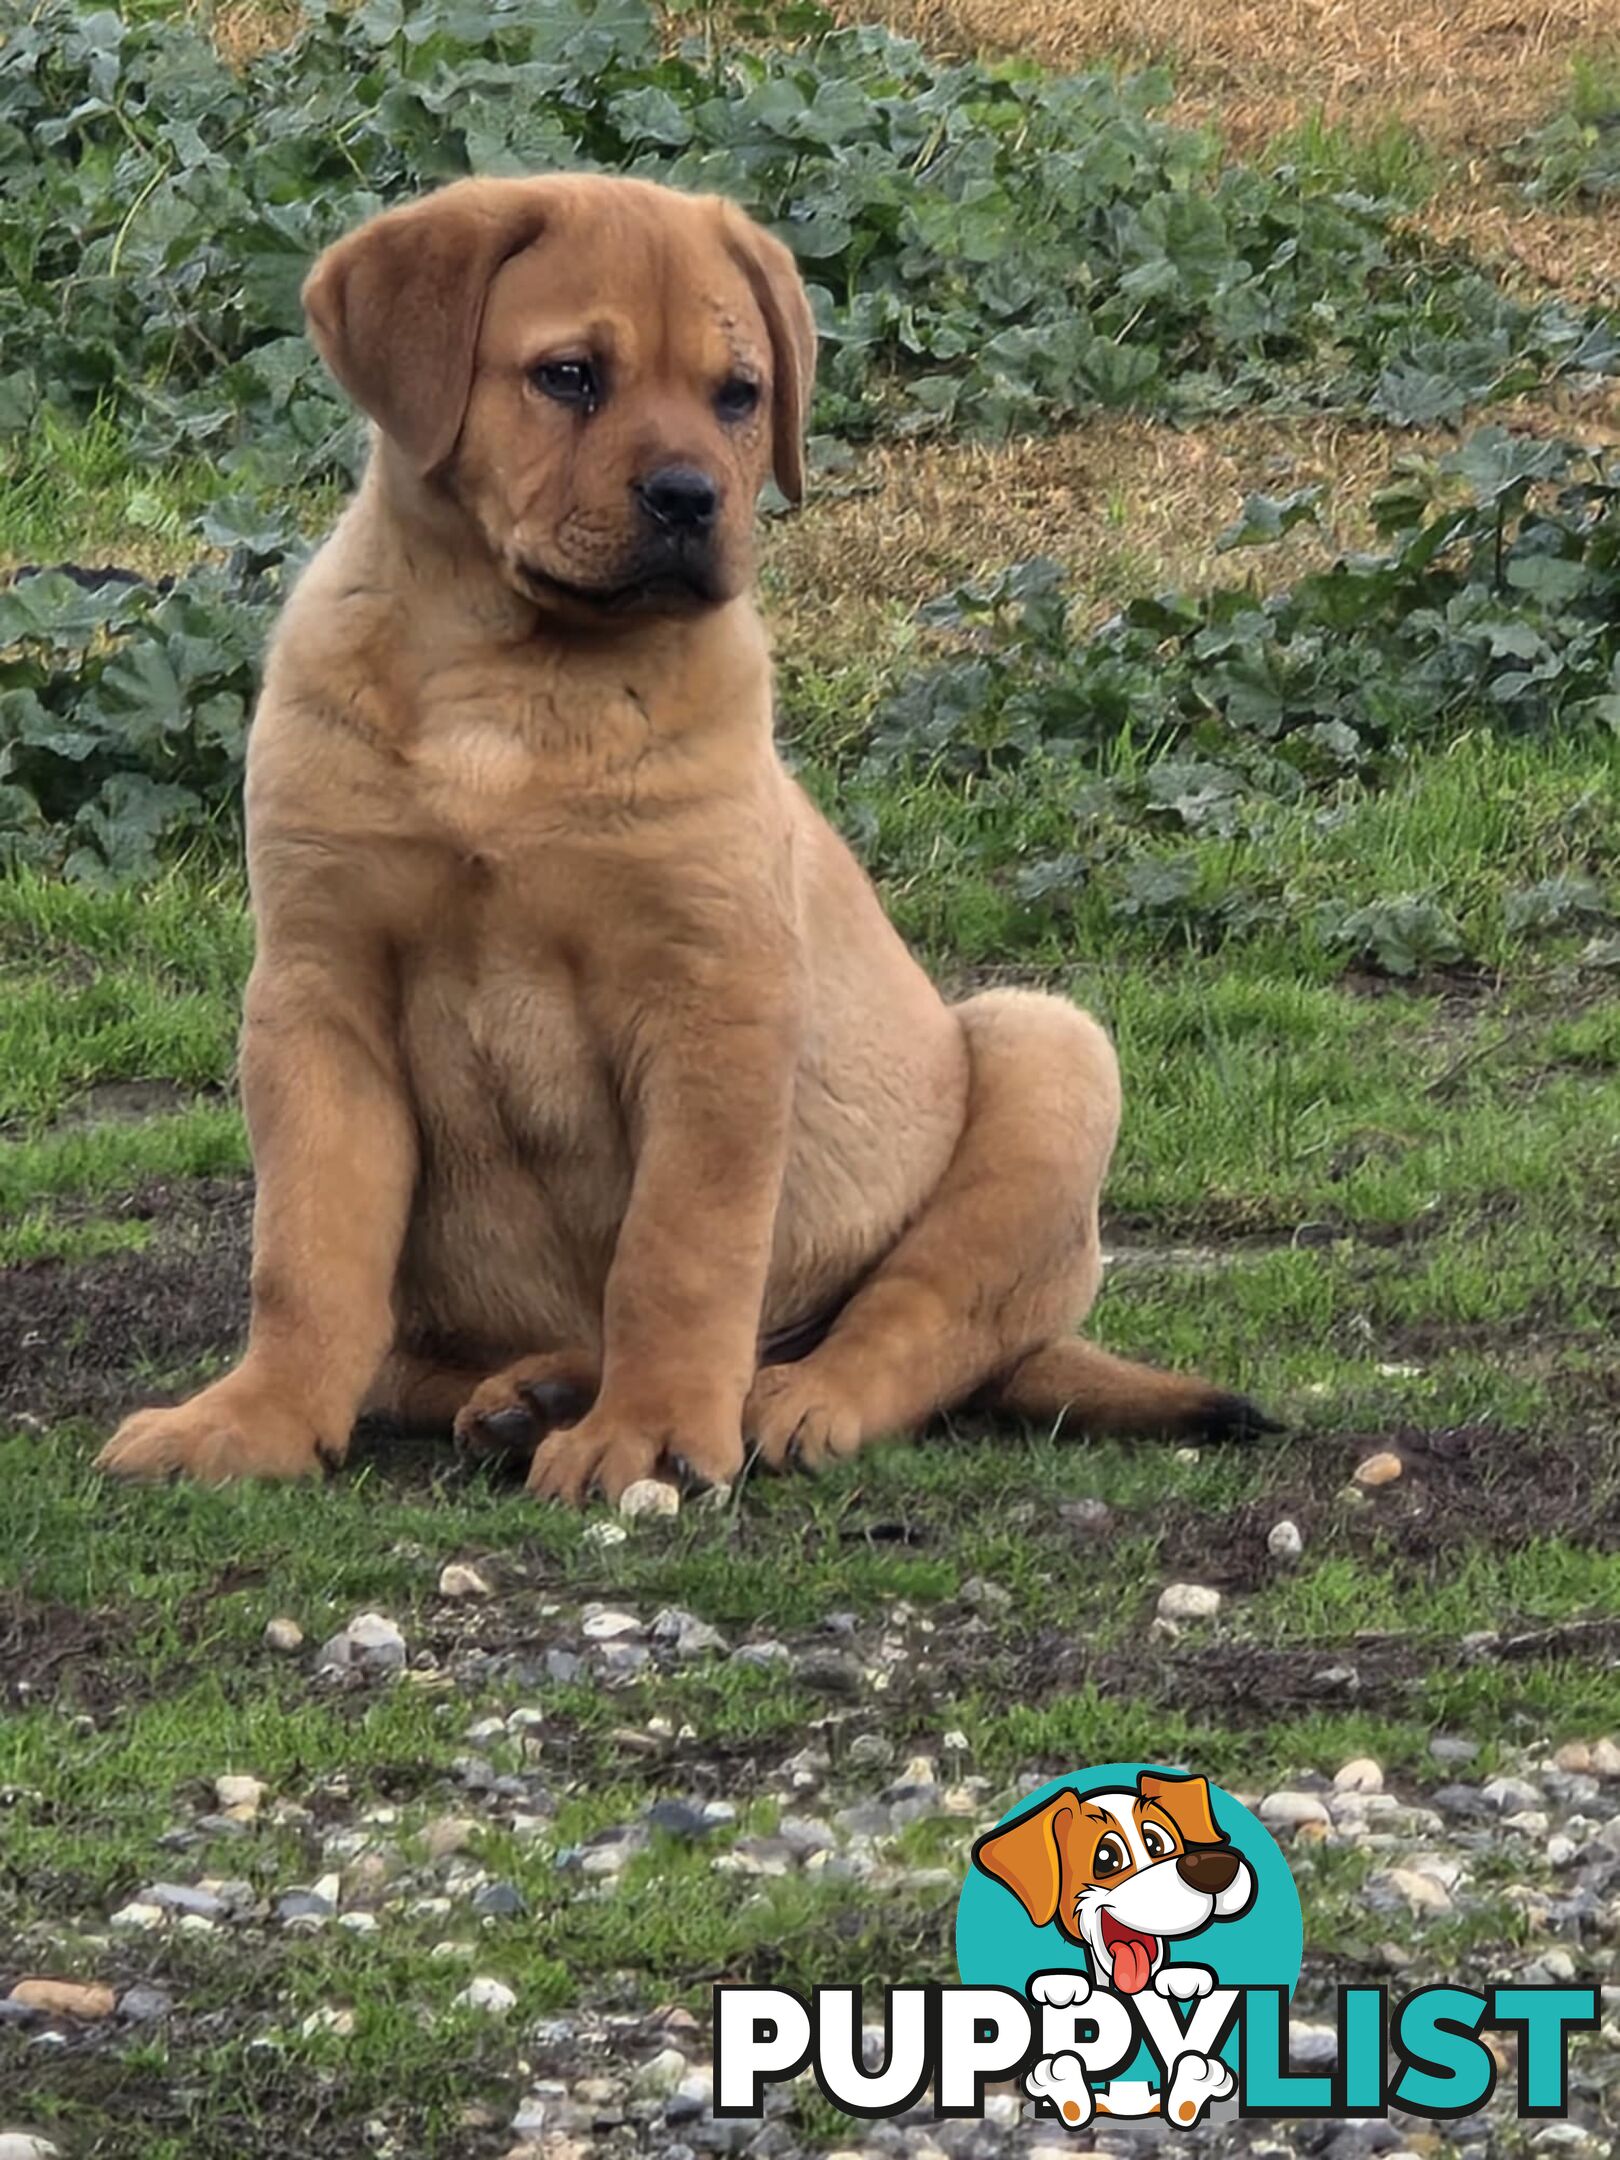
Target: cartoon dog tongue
x=1132, y=1955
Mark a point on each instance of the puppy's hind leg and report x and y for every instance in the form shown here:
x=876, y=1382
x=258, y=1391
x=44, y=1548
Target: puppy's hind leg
x=1003, y=1257
x=1073, y=1384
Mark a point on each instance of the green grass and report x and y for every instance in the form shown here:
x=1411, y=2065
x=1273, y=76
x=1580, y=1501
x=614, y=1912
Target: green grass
x=1385, y=1207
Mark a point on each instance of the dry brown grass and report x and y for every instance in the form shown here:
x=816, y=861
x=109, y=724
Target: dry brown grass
x=1128, y=505
x=1465, y=74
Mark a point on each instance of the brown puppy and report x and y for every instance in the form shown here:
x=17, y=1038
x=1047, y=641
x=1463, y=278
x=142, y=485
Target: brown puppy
x=578, y=1049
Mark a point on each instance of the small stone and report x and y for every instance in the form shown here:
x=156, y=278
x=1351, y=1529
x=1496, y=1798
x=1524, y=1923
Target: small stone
x=1574, y=1756
x=678, y=1818
x=1510, y=1795
x=685, y=1633
x=601, y=1534
x=1554, y=1968
x=457, y=1580
x=1605, y=1758
x=143, y=2005
x=601, y=1624
x=499, y=1901
x=1293, y=1810
x=1452, y=1750
x=761, y=1655
x=140, y=1917
x=649, y=1496
x=493, y=1997
x=982, y=1596
x=186, y=1898
x=375, y=1642
x=660, y=2077
x=339, y=2023
x=283, y=1635
x=18, y=2145
x=448, y=1834
x=1362, y=1775
x=242, y=1795
x=303, y=1906
x=1561, y=1851
x=1188, y=1601
x=86, y=2003
x=1380, y=1469
x=1284, y=1542
x=1086, y=1517
x=1418, y=1891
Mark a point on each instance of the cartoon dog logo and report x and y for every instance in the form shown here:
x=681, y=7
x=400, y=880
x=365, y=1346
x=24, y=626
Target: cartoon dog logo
x=1125, y=1874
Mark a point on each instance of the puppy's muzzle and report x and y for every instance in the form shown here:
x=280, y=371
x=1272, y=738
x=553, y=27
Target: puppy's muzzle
x=1210, y=1872
x=679, y=500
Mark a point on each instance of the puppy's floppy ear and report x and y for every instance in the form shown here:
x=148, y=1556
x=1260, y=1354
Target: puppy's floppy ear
x=1025, y=1855
x=781, y=298
x=1186, y=1801
x=395, y=307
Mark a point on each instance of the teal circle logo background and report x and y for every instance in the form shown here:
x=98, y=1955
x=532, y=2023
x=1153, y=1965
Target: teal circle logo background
x=998, y=1945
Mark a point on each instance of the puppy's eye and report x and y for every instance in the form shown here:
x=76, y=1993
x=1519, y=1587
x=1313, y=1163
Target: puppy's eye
x=1111, y=1857
x=736, y=399
x=569, y=382
x=1157, y=1841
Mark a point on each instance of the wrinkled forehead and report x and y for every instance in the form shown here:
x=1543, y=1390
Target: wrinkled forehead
x=648, y=289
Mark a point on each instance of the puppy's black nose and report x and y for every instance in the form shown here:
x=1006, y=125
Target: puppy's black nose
x=680, y=498
x=1207, y=1871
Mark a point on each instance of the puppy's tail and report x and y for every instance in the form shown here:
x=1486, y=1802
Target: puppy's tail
x=1074, y=1384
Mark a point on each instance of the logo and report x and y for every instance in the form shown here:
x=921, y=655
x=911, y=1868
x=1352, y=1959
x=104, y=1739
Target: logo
x=1131, y=1905
x=1128, y=1940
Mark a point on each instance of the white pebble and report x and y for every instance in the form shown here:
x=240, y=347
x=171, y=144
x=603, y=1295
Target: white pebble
x=245, y=1793
x=460, y=1581
x=1605, y=1759
x=1284, y=1542
x=18, y=2145
x=283, y=1635
x=138, y=1917
x=649, y=1496
x=1188, y=1601
x=603, y=1534
x=606, y=1626
x=1291, y=1810
x=1359, y=1776
x=493, y=1996
x=662, y=2075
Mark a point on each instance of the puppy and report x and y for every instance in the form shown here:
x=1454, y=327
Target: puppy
x=590, y=1091
x=1125, y=1874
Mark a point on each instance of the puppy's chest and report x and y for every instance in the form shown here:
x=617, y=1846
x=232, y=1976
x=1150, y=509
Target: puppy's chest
x=504, y=1062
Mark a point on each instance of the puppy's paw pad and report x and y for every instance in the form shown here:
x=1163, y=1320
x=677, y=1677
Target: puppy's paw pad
x=792, y=1415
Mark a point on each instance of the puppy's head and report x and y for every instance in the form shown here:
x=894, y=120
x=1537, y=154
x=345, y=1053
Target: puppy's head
x=1124, y=1872
x=602, y=373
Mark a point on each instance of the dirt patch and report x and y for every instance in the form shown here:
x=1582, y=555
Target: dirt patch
x=48, y=1650
x=1478, y=1484
x=77, y=1337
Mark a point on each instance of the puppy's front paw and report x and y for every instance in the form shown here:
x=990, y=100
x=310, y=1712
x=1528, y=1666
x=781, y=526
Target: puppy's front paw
x=231, y=1430
x=509, y=1414
x=1063, y=1990
x=1183, y=1983
x=608, y=1453
x=794, y=1413
x=1199, y=2079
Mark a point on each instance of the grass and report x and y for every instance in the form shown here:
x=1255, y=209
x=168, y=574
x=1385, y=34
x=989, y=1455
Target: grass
x=1386, y=1208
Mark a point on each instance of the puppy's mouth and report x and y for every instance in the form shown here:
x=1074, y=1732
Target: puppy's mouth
x=673, y=588
x=1131, y=1954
